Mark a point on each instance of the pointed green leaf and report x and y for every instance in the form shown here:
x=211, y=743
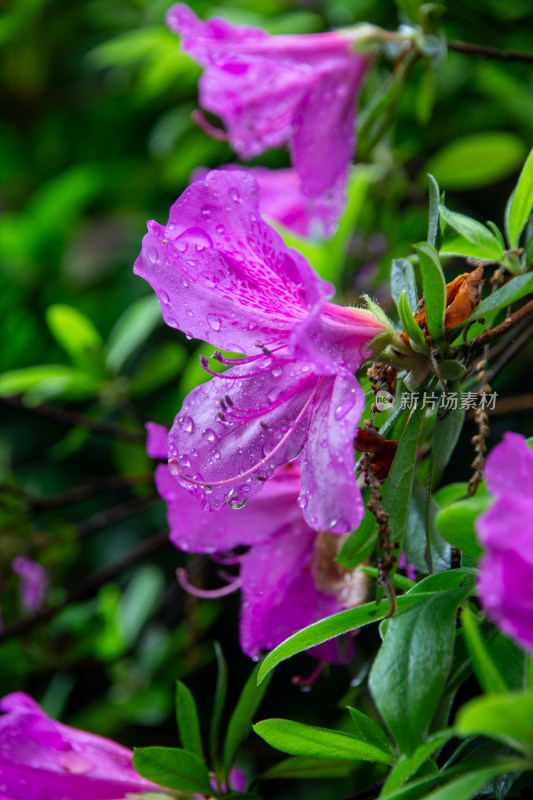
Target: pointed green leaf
x=172, y=768
x=486, y=243
x=486, y=671
x=218, y=707
x=306, y=740
x=187, y=718
x=359, y=544
x=241, y=720
x=308, y=767
x=412, y=666
x=520, y=203
x=410, y=327
x=77, y=336
x=456, y=523
x=408, y=765
x=328, y=628
x=131, y=330
x=369, y=731
x=434, y=202
x=506, y=717
x=434, y=288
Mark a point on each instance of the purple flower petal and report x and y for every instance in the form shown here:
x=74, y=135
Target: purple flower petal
x=194, y=530
x=506, y=532
x=34, y=582
x=330, y=496
x=44, y=760
x=157, y=440
x=269, y=90
x=224, y=275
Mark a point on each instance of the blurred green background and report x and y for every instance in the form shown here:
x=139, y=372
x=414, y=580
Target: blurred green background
x=96, y=138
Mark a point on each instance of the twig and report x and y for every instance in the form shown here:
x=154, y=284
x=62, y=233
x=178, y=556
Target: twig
x=513, y=348
x=87, y=587
x=510, y=322
x=115, y=514
x=80, y=493
x=470, y=49
x=74, y=420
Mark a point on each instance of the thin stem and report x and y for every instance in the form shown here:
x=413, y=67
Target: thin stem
x=80, y=493
x=510, y=322
x=471, y=49
x=74, y=420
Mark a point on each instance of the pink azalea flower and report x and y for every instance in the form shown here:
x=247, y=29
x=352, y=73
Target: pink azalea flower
x=506, y=533
x=272, y=90
x=225, y=276
x=41, y=759
x=288, y=577
x=281, y=199
x=34, y=582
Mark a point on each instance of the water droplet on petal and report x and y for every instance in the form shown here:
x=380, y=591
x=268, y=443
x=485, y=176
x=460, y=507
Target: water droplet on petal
x=217, y=454
x=206, y=212
x=185, y=461
x=220, y=229
x=187, y=424
x=214, y=322
x=152, y=255
x=343, y=408
x=163, y=296
x=234, y=194
x=184, y=282
x=210, y=435
x=302, y=501
x=277, y=372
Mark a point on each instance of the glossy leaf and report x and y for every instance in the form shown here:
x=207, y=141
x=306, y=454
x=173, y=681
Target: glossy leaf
x=172, y=768
x=328, y=628
x=360, y=543
x=366, y=729
x=456, y=523
x=520, y=203
x=433, y=217
x=48, y=380
x=434, y=285
x=484, y=240
x=241, y=720
x=131, y=330
x=412, y=666
x=187, y=718
x=408, y=765
x=447, y=431
x=306, y=740
x=507, y=717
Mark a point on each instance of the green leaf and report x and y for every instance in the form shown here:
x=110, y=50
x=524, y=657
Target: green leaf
x=477, y=160
x=241, y=719
x=408, y=765
x=411, y=668
x=487, y=674
x=187, y=718
x=415, y=543
x=456, y=523
x=359, y=544
x=411, y=9
x=467, y=786
x=298, y=739
x=446, y=581
x=487, y=245
x=506, y=717
x=399, y=484
x=77, y=336
x=307, y=768
x=520, y=203
x=433, y=219
x=402, y=277
x=447, y=431
x=434, y=288
x=366, y=729
x=48, y=380
x=410, y=327
x=218, y=707
x=328, y=628
x=172, y=768
x=131, y=331
x=452, y=370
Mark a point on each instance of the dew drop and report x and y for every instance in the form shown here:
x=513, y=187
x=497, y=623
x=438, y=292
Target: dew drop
x=277, y=372
x=163, y=296
x=232, y=496
x=187, y=424
x=234, y=194
x=217, y=454
x=302, y=501
x=172, y=322
x=185, y=461
x=206, y=212
x=172, y=451
x=343, y=408
x=210, y=435
x=184, y=282
x=214, y=322
x=152, y=255
x=181, y=246
x=173, y=467
x=220, y=229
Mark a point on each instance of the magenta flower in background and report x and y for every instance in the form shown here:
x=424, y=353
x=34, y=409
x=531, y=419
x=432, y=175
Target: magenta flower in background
x=34, y=582
x=299, y=90
x=506, y=533
x=288, y=577
x=225, y=276
x=281, y=199
x=41, y=759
